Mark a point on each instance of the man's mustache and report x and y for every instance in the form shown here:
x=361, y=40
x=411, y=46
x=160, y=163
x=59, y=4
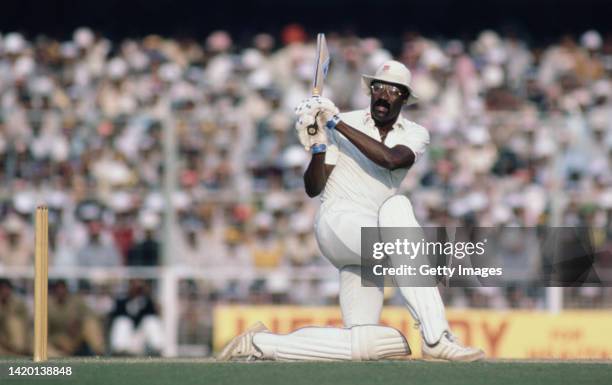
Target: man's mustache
x=382, y=103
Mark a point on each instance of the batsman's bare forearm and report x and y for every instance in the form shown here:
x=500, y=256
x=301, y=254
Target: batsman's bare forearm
x=316, y=175
x=390, y=158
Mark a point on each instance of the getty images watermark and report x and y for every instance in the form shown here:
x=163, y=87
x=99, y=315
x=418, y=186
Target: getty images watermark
x=411, y=250
x=482, y=256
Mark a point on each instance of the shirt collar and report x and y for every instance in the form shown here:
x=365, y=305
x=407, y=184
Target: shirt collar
x=367, y=120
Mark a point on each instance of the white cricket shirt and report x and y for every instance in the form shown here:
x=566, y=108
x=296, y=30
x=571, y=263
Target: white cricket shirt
x=356, y=178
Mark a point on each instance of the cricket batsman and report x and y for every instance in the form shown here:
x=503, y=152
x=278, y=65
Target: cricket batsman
x=359, y=160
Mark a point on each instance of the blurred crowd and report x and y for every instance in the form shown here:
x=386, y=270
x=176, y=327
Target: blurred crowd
x=521, y=136
x=131, y=324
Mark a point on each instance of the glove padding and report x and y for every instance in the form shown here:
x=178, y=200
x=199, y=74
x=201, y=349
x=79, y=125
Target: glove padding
x=301, y=126
x=314, y=104
x=310, y=109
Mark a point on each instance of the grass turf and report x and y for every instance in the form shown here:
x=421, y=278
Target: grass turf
x=144, y=371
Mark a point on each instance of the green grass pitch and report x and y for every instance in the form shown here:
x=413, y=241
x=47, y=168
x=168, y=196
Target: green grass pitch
x=117, y=371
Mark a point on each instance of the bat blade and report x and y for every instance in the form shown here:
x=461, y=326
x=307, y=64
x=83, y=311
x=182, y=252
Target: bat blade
x=322, y=65
x=321, y=68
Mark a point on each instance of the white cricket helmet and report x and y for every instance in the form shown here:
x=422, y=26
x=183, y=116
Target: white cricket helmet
x=394, y=72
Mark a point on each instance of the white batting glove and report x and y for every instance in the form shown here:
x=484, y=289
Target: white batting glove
x=314, y=104
x=301, y=126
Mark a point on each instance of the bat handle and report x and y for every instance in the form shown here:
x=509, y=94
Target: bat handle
x=313, y=128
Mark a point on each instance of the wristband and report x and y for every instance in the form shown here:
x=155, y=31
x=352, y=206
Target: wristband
x=332, y=122
x=318, y=148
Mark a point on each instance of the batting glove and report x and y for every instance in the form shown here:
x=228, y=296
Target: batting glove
x=314, y=104
x=301, y=126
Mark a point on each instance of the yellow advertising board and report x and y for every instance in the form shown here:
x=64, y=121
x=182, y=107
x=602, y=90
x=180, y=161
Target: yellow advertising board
x=502, y=334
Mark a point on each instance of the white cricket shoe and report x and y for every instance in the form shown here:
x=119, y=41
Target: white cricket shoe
x=449, y=348
x=241, y=346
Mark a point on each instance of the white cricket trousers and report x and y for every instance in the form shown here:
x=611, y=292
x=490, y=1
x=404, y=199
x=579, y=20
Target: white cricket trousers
x=338, y=232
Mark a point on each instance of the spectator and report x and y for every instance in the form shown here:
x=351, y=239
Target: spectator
x=135, y=324
x=147, y=251
x=98, y=252
x=266, y=250
x=14, y=247
x=301, y=245
x=14, y=322
x=74, y=330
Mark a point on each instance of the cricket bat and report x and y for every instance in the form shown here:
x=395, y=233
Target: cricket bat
x=321, y=68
